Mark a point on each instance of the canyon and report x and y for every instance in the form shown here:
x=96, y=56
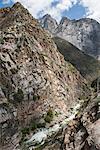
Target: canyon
x=45, y=101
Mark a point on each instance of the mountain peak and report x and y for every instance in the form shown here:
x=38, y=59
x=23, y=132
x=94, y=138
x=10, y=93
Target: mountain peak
x=16, y=15
x=17, y=4
x=47, y=16
x=74, y=32
x=64, y=19
x=48, y=22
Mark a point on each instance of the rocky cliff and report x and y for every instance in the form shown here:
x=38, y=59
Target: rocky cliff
x=82, y=133
x=83, y=33
x=37, y=86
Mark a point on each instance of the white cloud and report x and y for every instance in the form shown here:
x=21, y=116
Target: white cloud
x=45, y=6
x=66, y=4
x=93, y=8
x=5, y=2
x=35, y=6
x=38, y=8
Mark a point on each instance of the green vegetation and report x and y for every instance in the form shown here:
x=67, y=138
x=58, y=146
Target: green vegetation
x=49, y=116
x=85, y=64
x=25, y=131
x=1, y=40
x=48, y=119
x=95, y=84
x=36, y=97
x=33, y=126
x=18, y=96
x=41, y=125
x=38, y=148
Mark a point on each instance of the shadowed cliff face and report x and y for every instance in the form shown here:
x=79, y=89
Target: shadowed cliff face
x=83, y=33
x=88, y=66
x=34, y=77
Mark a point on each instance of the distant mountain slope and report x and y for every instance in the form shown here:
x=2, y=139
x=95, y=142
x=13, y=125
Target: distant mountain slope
x=83, y=33
x=87, y=65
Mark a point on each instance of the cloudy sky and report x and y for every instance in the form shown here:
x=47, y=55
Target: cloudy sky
x=73, y=9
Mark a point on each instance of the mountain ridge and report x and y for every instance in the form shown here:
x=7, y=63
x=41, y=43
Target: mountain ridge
x=88, y=66
x=37, y=86
x=83, y=33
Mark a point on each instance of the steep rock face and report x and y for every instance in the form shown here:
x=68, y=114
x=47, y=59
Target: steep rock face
x=83, y=33
x=49, y=23
x=83, y=133
x=33, y=76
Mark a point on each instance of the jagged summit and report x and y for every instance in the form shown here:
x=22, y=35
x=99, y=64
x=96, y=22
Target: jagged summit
x=17, y=14
x=47, y=16
x=83, y=33
x=64, y=19
x=48, y=22
x=18, y=5
x=20, y=10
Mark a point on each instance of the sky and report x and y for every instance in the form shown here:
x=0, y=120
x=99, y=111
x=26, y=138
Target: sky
x=73, y=9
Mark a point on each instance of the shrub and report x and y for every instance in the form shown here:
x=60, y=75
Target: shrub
x=49, y=116
x=33, y=126
x=50, y=113
x=36, y=97
x=41, y=125
x=25, y=131
x=48, y=119
x=1, y=41
x=19, y=96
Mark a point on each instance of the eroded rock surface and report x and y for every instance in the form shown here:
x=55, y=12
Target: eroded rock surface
x=34, y=76
x=83, y=133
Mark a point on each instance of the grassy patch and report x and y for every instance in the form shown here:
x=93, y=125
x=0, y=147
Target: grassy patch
x=49, y=116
